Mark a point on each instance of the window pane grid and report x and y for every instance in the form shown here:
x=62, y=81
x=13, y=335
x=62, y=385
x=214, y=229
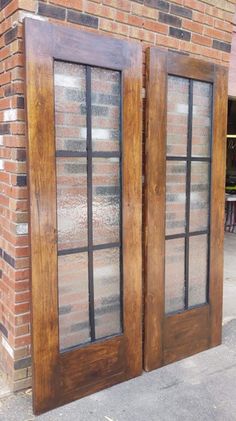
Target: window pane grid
x=183, y=234
x=190, y=160
x=188, y=190
x=105, y=314
x=94, y=154
x=193, y=159
x=84, y=249
x=90, y=201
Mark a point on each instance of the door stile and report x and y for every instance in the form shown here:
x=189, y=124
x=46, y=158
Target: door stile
x=218, y=199
x=132, y=212
x=45, y=340
x=155, y=181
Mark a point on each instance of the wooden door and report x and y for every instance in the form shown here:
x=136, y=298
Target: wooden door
x=185, y=182
x=84, y=154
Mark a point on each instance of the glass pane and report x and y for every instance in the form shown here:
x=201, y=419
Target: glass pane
x=107, y=292
x=174, y=275
x=106, y=200
x=199, y=199
x=177, y=116
x=71, y=202
x=198, y=253
x=105, y=109
x=201, y=124
x=70, y=106
x=175, y=197
x=74, y=327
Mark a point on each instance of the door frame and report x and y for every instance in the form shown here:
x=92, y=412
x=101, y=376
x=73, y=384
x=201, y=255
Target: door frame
x=62, y=377
x=160, y=63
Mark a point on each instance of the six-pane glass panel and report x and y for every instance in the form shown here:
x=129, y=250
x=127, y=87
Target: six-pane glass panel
x=89, y=205
x=188, y=172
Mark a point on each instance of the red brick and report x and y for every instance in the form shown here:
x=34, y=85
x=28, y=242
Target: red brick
x=136, y=33
x=5, y=103
x=16, y=46
x=137, y=9
x=192, y=26
x=5, y=78
x=71, y=4
x=223, y=26
x=29, y=5
x=120, y=4
x=22, y=297
x=200, y=39
x=156, y=27
x=216, y=12
x=18, y=205
x=22, y=252
x=14, y=61
x=135, y=21
x=22, y=330
x=195, y=4
x=4, y=201
x=120, y=16
x=18, y=128
x=167, y=41
x=22, y=275
x=117, y=28
x=93, y=8
x=15, y=167
x=217, y=34
x=149, y=37
x=14, y=141
x=4, y=177
x=22, y=263
x=22, y=319
x=225, y=57
x=22, y=340
x=10, y=8
x=204, y=19
x=21, y=286
x=5, y=52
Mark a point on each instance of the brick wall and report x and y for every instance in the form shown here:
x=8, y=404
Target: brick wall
x=201, y=28
x=232, y=67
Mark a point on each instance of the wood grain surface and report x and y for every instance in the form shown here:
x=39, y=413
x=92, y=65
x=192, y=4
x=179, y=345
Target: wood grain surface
x=61, y=377
x=170, y=338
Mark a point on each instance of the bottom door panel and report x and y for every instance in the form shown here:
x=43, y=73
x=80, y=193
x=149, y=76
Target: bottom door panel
x=93, y=368
x=186, y=334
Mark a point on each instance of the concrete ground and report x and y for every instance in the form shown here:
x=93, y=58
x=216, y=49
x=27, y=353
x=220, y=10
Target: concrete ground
x=202, y=387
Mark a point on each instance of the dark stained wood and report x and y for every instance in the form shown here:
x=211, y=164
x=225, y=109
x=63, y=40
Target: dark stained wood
x=61, y=377
x=187, y=67
x=132, y=210
x=218, y=202
x=42, y=193
x=155, y=181
x=97, y=50
x=169, y=338
x=186, y=334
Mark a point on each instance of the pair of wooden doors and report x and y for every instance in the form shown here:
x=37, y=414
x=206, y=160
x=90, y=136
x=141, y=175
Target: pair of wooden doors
x=85, y=181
